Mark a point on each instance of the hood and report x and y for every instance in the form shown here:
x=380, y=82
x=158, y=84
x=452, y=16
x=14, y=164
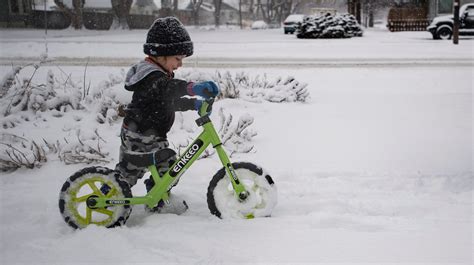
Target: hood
x=447, y=18
x=139, y=71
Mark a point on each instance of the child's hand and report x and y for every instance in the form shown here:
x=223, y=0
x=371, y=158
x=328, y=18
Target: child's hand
x=207, y=89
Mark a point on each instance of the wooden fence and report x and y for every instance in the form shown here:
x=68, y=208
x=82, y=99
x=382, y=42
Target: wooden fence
x=408, y=24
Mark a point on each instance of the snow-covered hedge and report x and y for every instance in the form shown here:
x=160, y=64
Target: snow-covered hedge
x=329, y=26
x=255, y=89
x=81, y=111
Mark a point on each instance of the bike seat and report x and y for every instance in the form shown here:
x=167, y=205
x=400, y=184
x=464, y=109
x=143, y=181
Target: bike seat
x=148, y=159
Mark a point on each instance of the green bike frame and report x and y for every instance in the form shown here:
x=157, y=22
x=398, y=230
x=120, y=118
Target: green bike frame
x=164, y=183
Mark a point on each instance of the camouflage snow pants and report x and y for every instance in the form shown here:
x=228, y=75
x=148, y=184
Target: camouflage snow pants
x=133, y=142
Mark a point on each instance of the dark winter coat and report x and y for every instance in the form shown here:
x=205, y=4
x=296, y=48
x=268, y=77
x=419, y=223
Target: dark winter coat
x=156, y=97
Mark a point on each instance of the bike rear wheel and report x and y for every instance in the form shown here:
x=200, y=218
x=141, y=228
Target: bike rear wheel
x=223, y=203
x=94, y=181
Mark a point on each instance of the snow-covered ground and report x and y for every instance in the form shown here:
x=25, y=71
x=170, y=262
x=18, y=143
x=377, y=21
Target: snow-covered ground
x=375, y=168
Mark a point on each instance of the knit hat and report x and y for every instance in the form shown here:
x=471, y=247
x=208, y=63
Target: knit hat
x=167, y=36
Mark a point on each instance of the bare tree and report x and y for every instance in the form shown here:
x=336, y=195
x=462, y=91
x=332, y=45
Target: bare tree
x=196, y=5
x=74, y=13
x=166, y=8
x=275, y=11
x=121, y=9
x=175, y=7
x=217, y=12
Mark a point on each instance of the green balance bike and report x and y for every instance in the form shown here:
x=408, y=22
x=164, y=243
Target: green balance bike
x=99, y=195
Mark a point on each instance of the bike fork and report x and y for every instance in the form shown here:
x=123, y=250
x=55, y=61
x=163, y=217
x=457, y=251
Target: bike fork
x=239, y=189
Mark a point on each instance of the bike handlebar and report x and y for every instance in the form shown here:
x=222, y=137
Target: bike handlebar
x=206, y=107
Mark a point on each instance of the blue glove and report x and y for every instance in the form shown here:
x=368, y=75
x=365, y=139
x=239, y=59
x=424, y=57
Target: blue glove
x=207, y=89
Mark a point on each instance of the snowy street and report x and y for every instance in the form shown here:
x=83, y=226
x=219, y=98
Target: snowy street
x=236, y=48
x=375, y=168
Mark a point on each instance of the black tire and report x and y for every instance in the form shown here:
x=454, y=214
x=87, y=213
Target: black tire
x=94, y=181
x=444, y=32
x=263, y=193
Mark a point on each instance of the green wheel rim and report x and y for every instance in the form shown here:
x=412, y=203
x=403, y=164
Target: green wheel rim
x=75, y=201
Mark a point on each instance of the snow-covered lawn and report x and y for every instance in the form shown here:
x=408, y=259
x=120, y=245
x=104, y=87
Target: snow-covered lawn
x=375, y=168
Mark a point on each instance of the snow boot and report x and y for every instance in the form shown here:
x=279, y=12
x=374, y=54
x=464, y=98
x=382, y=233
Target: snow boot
x=174, y=204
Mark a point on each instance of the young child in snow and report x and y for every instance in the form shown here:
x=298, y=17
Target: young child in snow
x=156, y=97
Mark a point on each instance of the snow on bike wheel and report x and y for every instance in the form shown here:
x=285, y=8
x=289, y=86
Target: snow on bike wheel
x=223, y=203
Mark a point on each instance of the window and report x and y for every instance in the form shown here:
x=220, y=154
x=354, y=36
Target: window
x=470, y=12
x=445, y=6
x=19, y=6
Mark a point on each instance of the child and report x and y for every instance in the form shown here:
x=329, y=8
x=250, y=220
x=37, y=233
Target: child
x=156, y=97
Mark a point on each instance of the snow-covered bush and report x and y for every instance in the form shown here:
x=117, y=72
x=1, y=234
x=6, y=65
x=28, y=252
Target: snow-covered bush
x=79, y=110
x=23, y=96
x=329, y=26
x=255, y=89
x=27, y=100
x=107, y=103
x=85, y=149
x=235, y=136
x=17, y=152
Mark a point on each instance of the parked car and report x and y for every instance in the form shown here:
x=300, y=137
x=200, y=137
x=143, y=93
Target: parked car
x=442, y=27
x=259, y=24
x=290, y=22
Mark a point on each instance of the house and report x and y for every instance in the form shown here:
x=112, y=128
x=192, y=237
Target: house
x=229, y=12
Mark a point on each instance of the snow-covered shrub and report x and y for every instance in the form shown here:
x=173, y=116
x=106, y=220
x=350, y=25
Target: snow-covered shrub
x=104, y=99
x=26, y=100
x=23, y=96
x=236, y=137
x=17, y=152
x=8, y=80
x=87, y=149
x=329, y=26
x=81, y=108
x=254, y=89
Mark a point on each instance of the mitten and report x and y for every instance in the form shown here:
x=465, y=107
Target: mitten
x=207, y=89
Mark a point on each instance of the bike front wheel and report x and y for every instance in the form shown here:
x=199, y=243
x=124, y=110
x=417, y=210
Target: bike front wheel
x=99, y=182
x=223, y=202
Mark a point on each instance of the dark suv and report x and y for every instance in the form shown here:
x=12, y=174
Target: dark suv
x=442, y=27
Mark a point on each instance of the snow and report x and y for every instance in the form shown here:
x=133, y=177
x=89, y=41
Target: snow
x=374, y=168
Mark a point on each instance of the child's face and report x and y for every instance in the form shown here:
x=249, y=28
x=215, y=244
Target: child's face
x=171, y=63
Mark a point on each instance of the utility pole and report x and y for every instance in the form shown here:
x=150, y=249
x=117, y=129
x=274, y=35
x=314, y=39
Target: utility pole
x=456, y=22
